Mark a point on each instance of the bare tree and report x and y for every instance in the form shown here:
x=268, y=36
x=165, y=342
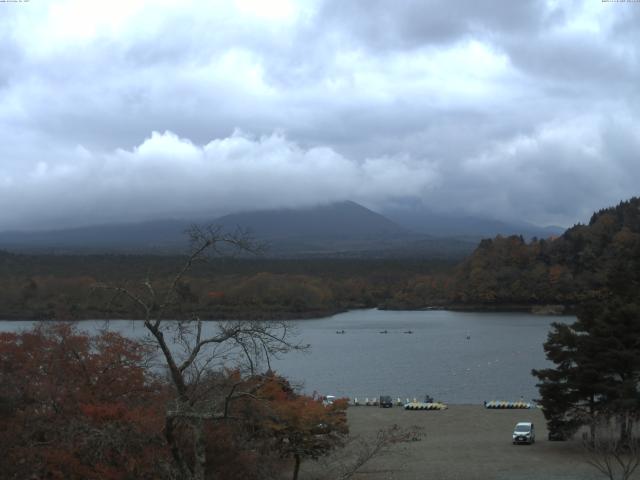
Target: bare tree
x=614, y=456
x=193, y=351
x=360, y=451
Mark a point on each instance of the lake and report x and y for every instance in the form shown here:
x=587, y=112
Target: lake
x=456, y=357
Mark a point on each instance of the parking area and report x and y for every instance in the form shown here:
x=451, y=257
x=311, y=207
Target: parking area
x=468, y=442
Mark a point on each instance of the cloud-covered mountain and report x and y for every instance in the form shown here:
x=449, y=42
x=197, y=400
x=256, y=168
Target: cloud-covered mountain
x=288, y=228
x=422, y=220
x=342, y=220
x=343, y=228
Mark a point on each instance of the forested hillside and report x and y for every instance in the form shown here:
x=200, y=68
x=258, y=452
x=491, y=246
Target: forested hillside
x=578, y=265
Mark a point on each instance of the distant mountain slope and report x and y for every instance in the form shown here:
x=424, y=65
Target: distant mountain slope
x=339, y=229
x=343, y=220
x=344, y=228
x=421, y=220
x=153, y=235
x=299, y=230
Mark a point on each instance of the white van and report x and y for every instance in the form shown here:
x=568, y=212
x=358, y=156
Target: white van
x=524, y=433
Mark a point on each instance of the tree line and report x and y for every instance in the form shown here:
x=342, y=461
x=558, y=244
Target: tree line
x=62, y=286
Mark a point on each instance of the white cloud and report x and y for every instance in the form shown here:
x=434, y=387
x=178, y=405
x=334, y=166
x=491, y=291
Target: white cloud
x=168, y=175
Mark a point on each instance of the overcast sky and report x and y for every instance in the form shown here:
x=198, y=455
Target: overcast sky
x=127, y=110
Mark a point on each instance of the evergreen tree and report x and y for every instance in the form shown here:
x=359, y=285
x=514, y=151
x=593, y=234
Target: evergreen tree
x=597, y=370
x=570, y=392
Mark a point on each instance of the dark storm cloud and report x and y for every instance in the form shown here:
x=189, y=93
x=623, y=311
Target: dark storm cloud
x=524, y=109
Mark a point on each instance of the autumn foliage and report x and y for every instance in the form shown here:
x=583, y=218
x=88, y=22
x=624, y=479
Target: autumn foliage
x=583, y=264
x=74, y=406
x=301, y=426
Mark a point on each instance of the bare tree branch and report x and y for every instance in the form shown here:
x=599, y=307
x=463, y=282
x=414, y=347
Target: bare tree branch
x=190, y=353
x=613, y=456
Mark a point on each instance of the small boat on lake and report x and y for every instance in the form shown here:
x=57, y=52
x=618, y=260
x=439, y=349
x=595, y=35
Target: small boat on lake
x=384, y=331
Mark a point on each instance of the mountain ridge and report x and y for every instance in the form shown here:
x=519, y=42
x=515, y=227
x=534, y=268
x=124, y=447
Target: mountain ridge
x=334, y=229
x=422, y=220
x=336, y=220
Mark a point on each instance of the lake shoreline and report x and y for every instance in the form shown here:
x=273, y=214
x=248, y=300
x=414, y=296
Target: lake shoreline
x=256, y=316
x=536, y=309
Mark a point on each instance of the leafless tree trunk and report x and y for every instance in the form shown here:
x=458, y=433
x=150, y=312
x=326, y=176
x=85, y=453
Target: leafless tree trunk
x=189, y=353
x=296, y=468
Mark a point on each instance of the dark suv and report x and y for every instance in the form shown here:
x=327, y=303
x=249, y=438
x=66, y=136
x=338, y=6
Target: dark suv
x=385, y=401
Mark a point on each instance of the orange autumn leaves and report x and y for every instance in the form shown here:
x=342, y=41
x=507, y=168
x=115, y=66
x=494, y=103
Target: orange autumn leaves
x=74, y=406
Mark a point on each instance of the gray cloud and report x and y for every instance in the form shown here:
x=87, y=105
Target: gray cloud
x=514, y=109
x=168, y=175
x=414, y=23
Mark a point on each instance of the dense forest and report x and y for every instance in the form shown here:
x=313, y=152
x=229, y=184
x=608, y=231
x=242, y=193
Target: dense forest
x=579, y=265
x=502, y=273
x=63, y=286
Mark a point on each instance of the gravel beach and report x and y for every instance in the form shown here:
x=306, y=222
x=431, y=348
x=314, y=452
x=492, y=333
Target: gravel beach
x=468, y=442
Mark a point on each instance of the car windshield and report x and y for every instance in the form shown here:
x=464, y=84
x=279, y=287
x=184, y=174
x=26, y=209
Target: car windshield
x=523, y=428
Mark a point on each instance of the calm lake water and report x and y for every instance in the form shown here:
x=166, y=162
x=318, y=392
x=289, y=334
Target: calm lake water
x=456, y=357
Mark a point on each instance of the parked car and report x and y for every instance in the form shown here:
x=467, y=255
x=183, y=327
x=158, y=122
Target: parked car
x=385, y=401
x=524, y=433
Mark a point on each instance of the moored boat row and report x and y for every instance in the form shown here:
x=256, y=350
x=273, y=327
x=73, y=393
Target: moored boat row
x=501, y=404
